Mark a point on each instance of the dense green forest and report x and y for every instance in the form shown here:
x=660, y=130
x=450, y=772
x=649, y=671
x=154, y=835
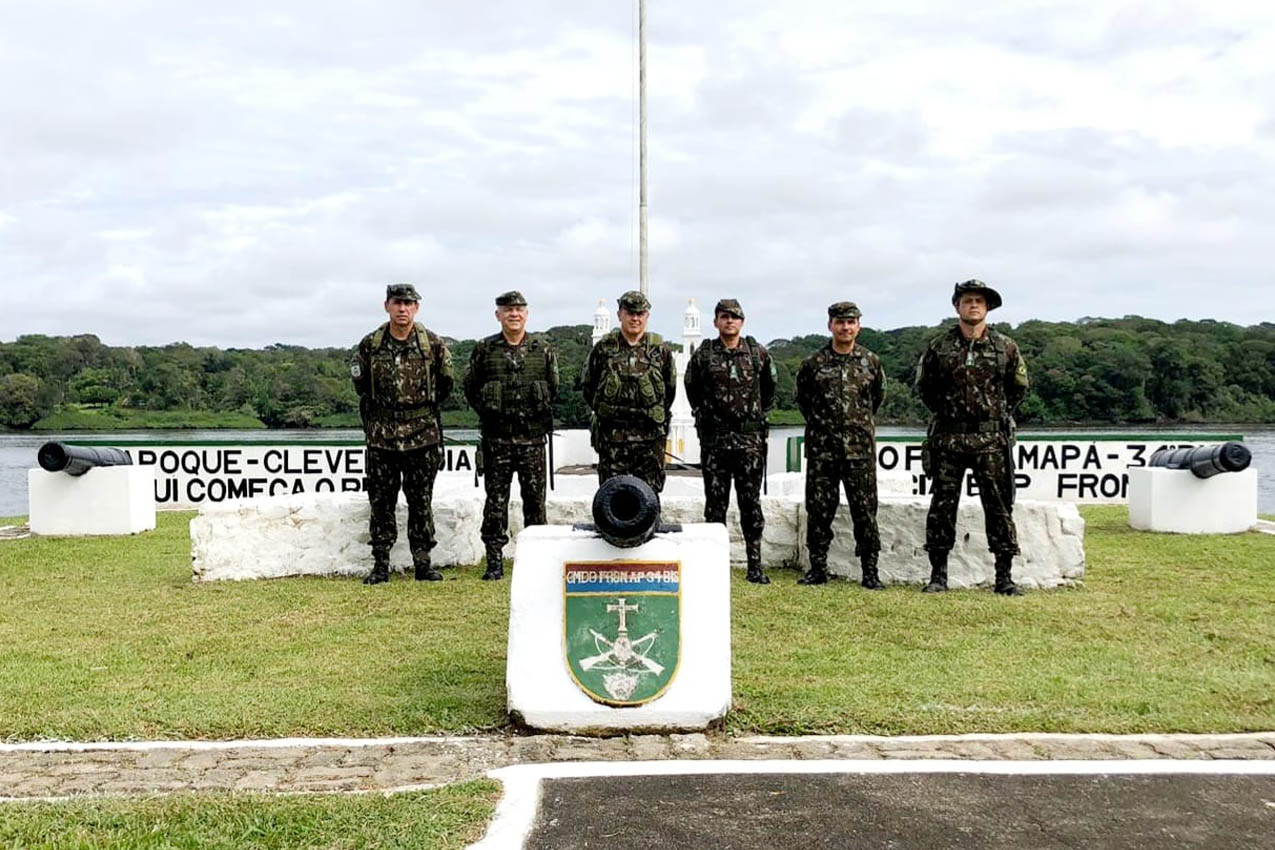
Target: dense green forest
x=1129, y=370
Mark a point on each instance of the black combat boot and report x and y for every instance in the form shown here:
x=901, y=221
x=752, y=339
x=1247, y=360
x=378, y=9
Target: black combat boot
x=938, y=573
x=871, y=580
x=495, y=565
x=1004, y=584
x=755, y=575
x=818, y=572
x=424, y=570
x=380, y=569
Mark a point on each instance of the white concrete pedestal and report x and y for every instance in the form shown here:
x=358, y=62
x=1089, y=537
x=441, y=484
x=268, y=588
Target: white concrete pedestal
x=542, y=692
x=104, y=500
x=1175, y=500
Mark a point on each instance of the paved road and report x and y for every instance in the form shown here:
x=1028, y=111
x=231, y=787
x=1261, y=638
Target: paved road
x=908, y=810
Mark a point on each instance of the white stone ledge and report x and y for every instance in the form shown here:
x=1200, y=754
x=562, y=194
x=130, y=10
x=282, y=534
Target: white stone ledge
x=327, y=534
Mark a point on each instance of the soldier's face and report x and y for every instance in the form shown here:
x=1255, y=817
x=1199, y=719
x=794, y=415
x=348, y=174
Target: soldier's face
x=512, y=319
x=633, y=324
x=972, y=308
x=843, y=330
x=402, y=311
x=728, y=325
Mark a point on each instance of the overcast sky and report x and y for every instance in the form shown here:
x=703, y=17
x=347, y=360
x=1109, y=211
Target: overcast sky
x=239, y=173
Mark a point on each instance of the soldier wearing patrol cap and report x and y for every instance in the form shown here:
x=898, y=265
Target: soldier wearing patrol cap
x=839, y=389
x=972, y=378
x=402, y=373
x=730, y=384
x=630, y=382
x=512, y=383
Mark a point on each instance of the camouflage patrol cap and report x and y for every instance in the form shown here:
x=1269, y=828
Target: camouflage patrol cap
x=512, y=298
x=401, y=291
x=729, y=305
x=634, y=302
x=991, y=295
x=844, y=310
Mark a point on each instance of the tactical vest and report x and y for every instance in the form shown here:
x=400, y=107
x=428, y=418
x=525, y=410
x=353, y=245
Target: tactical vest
x=632, y=385
x=724, y=410
x=403, y=382
x=958, y=355
x=515, y=398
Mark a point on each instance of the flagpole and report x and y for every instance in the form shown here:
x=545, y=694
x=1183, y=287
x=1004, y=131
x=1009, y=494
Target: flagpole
x=642, y=148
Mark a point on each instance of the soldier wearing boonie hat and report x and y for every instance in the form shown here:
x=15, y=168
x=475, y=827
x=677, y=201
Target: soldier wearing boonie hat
x=972, y=378
x=839, y=389
x=629, y=383
x=402, y=373
x=730, y=384
x=511, y=383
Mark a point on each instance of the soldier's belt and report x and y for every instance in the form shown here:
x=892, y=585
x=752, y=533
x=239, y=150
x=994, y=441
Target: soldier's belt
x=406, y=414
x=984, y=427
x=734, y=427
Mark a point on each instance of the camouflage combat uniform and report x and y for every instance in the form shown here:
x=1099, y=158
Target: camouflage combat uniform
x=839, y=395
x=401, y=384
x=630, y=389
x=731, y=392
x=972, y=388
x=512, y=388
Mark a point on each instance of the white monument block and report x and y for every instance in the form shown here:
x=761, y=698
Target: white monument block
x=104, y=500
x=542, y=685
x=1175, y=500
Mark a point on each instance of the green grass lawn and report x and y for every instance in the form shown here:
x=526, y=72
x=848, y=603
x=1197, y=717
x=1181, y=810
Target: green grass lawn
x=450, y=817
x=108, y=638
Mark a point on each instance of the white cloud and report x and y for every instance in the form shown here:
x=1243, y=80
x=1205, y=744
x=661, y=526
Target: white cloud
x=238, y=174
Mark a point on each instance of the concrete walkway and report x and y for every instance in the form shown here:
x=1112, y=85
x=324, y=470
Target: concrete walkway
x=57, y=770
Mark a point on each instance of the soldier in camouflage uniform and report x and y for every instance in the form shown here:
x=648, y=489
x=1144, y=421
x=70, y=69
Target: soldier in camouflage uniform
x=402, y=373
x=972, y=378
x=512, y=383
x=730, y=384
x=839, y=389
x=630, y=382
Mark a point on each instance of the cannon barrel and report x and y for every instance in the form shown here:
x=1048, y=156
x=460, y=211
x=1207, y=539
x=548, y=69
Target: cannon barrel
x=626, y=511
x=1205, y=461
x=77, y=460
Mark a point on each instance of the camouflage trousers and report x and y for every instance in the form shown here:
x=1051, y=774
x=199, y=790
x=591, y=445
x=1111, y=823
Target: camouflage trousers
x=825, y=479
x=640, y=458
x=414, y=471
x=745, y=464
x=500, y=462
x=988, y=469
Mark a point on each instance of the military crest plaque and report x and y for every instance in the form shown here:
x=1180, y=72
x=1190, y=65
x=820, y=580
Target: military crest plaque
x=622, y=628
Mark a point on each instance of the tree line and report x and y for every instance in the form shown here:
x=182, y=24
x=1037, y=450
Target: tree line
x=1091, y=371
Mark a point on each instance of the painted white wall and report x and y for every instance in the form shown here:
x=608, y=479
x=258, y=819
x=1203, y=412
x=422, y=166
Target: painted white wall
x=326, y=534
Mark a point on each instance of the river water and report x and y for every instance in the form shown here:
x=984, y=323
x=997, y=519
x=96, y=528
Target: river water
x=18, y=450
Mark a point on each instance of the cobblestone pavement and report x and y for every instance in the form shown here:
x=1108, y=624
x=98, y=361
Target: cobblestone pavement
x=55, y=770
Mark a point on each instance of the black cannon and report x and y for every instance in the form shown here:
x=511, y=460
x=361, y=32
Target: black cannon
x=1205, y=461
x=77, y=460
x=626, y=512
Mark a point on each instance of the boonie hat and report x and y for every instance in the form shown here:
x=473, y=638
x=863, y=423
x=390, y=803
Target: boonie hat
x=991, y=295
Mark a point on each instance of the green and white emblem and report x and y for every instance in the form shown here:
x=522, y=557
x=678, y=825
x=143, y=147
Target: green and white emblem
x=622, y=628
